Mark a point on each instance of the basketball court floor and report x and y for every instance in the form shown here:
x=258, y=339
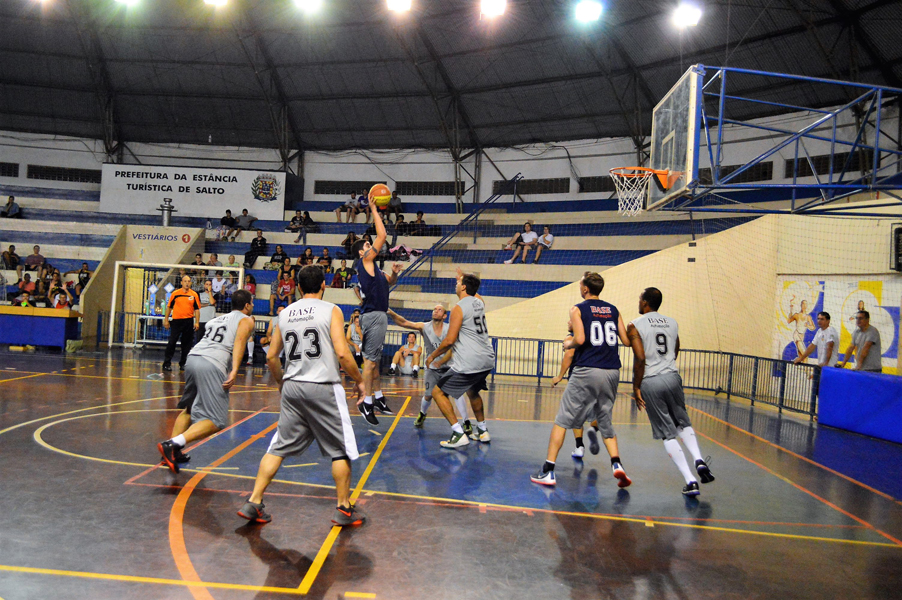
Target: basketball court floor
x=797, y=511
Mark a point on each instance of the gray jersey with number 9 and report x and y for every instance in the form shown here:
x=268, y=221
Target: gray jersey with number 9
x=305, y=327
x=473, y=351
x=219, y=339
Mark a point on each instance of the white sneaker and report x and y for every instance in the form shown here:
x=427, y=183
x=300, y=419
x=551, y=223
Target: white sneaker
x=457, y=440
x=508, y=247
x=481, y=435
x=579, y=452
x=508, y=262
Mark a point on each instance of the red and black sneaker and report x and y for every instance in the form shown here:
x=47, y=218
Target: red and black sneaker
x=348, y=516
x=167, y=450
x=254, y=512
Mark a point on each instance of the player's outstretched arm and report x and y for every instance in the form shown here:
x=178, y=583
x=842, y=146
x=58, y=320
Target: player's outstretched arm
x=272, y=356
x=402, y=322
x=380, y=229
x=635, y=342
x=396, y=269
x=245, y=331
x=336, y=332
x=454, y=323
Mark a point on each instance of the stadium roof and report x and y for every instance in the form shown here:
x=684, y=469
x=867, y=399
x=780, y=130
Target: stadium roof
x=261, y=73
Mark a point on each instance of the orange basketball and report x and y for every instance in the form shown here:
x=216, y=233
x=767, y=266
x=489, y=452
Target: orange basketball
x=380, y=195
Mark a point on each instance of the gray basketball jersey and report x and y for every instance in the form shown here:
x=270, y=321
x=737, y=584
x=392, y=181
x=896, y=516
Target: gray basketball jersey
x=305, y=327
x=473, y=351
x=355, y=336
x=432, y=341
x=659, y=336
x=219, y=339
x=408, y=360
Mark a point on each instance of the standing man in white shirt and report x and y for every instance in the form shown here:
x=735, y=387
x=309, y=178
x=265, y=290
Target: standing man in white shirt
x=657, y=386
x=524, y=242
x=826, y=341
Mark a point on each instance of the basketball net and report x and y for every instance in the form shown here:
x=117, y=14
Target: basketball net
x=631, y=184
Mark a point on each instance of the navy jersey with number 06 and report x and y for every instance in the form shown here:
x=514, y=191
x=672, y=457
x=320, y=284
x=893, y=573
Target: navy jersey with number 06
x=600, y=349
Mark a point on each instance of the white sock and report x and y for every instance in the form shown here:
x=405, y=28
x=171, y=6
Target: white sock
x=687, y=434
x=456, y=428
x=425, y=404
x=461, y=404
x=250, y=349
x=482, y=425
x=378, y=394
x=416, y=368
x=179, y=441
x=368, y=400
x=393, y=366
x=679, y=459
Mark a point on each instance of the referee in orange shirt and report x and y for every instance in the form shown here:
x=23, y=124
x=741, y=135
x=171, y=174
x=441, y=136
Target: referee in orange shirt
x=184, y=311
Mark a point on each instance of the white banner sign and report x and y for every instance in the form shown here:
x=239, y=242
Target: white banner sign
x=139, y=190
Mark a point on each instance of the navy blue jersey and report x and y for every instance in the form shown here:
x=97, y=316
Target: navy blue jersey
x=600, y=350
x=374, y=288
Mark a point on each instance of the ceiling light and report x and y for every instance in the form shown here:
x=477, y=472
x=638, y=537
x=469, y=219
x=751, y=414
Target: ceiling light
x=399, y=5
x=309, y=6
x=588, y=11
x=686, y=15
x=493, y=8
x=216, y=3
x=127, y=2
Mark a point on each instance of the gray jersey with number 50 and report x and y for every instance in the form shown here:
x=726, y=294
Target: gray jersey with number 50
x=305, y=327
x=659, y=336
x=473, y=351
x=219, y=339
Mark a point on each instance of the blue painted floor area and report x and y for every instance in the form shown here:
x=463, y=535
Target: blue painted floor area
x=848, y=453
x=414, y=465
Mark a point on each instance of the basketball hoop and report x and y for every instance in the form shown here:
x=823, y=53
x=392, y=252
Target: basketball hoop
x=631, y=184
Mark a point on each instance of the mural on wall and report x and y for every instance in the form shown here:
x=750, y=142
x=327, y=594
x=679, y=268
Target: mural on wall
x=799, y=299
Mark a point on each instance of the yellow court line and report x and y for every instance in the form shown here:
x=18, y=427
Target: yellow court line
x=346, y=595
x=507, y=507
x=25, y=377
x=324, y=550
x=159, y=580
x=303, y=465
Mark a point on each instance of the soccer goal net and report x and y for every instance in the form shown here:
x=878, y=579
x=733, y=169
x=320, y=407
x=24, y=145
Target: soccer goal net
x=141, y=292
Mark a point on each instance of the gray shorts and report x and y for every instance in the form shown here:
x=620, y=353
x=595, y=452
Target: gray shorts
x=432, y=378
x=590, y=393
x=665, y=405
x=204, y=396
x=456, y=384
x=374, y=325
x=314, y=411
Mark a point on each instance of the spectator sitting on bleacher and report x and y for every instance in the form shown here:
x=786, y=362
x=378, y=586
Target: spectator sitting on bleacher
x=250, y=284
x=349, y=207
x=23, y=300
x=213, y=262
x=307, y=258
x=227, y=226
x=12, y=261
x=61, y=298
x=363, y=206
x=325, y=261
x=286, y=267
x=35, y=262
x=395, y=205
x=40, y=293
x=56, y=280
x=343, y=275
x=243, y=223
x=418, y=227
x=84, y=274
x=524, y=242
x=278, y=257
x=347, y=243
x=217, y=283
x=546, y=240
x=308, y=225
x=258, y=248
x=284, y=294
x=233, y=262
x=296, y=223
x=402, y=227
x=11, y=210
x=26, y=284
x=229, y=287
x=199, y=262
x=76, y=294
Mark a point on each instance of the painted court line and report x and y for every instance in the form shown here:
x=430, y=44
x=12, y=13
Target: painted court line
x=324, y=550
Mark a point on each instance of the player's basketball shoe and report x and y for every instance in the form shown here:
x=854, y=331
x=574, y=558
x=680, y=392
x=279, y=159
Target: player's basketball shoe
x=691, y=489
x=421, y=418
x=345, y=517
x=367, y=411
x=579, y=452
x=181, y=457
x=167, y=450
x=468, y=428
x=480, y=435
x=380, y=405
x=167, y=366
x=594, y=446
x=457, y=440
x=254, y=512
x=543, y=478
x=704, y=473
x=622, y=480
x=392, y=371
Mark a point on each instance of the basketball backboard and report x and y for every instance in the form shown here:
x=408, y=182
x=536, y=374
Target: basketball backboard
x=675, y=138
